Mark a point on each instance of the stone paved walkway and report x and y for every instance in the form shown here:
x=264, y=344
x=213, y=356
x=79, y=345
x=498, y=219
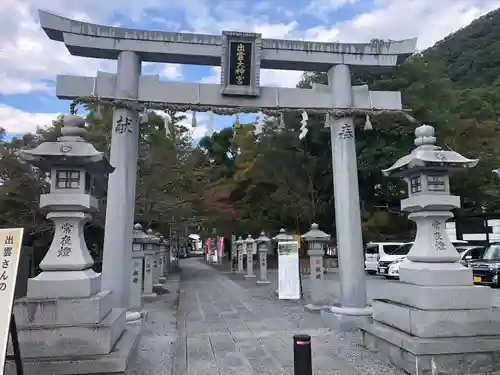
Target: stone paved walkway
x=224, y=329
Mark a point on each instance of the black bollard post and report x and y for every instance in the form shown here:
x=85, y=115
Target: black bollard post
x=302, y=364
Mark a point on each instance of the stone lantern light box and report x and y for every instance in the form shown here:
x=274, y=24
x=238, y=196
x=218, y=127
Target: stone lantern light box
x=426, y=170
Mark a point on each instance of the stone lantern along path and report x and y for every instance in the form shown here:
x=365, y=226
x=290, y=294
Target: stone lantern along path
x=316, y=240
x=434, y=320
x=263, y=248
x=282, y=236
x=139, y=240
x=66, y=314
x=249, y=243
x=149, y=259
x=240, y=249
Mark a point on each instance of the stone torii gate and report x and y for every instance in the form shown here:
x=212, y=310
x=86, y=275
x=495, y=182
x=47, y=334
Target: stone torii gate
x=241, y=56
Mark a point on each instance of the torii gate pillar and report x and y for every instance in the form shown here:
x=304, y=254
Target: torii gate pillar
x=120, y=208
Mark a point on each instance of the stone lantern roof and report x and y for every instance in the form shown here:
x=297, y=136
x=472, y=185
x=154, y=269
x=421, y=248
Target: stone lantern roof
x=428, y=156
x=262, y=238
x=71, y=149
x=315, y=235
x=283, y=236
x=139, y=236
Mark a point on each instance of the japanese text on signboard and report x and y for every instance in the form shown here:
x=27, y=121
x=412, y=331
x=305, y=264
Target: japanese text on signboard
x=7, y=255
x=10, y=250
x=240, y=59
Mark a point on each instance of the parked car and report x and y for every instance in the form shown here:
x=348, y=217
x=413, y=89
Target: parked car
x=486, y=270
x=388, y=265
x=376, y=250
x=467, y=253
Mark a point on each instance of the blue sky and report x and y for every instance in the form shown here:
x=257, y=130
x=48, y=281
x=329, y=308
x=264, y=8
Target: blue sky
x=29, y=61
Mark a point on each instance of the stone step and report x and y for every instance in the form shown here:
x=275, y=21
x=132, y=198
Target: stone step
x=38, y=312
x=437, y=323
x=84, y=339
x=426, y=356
x=115, y=362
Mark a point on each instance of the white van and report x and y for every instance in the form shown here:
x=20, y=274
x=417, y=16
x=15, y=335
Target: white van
x=388, y=265
x=376, y=250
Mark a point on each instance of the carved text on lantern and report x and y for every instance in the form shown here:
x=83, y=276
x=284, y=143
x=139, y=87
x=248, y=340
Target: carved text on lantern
x=439, y=244
x=65, y=240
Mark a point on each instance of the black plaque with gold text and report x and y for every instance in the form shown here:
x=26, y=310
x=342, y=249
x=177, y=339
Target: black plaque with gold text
x=240, y=63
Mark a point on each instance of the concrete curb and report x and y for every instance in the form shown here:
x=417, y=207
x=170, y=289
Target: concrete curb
x=179, y=355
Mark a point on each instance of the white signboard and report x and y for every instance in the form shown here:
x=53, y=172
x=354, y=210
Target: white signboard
x=288, y=270
x=10, y=251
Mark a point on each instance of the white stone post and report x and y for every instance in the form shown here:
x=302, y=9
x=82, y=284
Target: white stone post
x=117, y=256
x=149, y=258
x=249, y=242
x=345, y=181
x=137, y=277
x=241, y=250
x=282, y=236
x=316, y=240
x=263, y=248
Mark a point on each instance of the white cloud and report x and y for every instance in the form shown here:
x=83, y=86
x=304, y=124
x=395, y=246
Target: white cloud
x=16, y=121
x=29, y=60
x=428, y=20
x=325, y=7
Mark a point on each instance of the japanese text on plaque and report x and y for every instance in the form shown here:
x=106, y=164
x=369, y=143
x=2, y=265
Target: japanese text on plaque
x=240, y=64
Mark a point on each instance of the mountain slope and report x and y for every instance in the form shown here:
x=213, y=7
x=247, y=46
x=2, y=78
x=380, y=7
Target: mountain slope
x=471, y=56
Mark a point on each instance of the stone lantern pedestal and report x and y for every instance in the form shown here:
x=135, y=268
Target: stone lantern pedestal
x=249, y=243
x=316, y=240
x=66, y=323
x=434, y=321
x=263, y=248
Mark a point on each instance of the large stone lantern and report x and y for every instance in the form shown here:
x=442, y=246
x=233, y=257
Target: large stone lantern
x=72, y=163
x=316, y=240
x=65, y=313
x=434, y=320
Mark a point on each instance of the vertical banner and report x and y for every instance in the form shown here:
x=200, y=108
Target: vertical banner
x=220, y=249
x=288, y=270
x=10, y=252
